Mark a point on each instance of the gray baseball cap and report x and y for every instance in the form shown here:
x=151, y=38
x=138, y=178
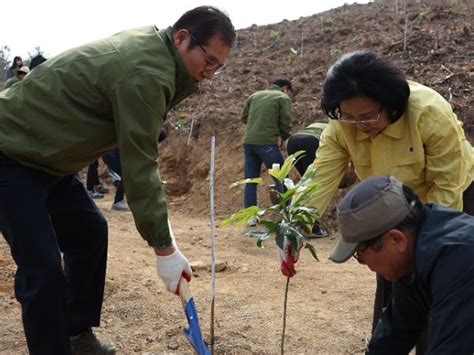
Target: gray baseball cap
x=371, y=208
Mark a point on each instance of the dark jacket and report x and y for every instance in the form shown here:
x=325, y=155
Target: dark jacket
x=440, y=291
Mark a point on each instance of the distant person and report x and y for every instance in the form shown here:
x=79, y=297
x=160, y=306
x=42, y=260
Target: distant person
x=112, y=93
x=20, y=74
x=17, y=63
x=267, y=118
x=307, y=140
x=95, y=188
x=36, y=60
x=386, y=124
x=425, y=251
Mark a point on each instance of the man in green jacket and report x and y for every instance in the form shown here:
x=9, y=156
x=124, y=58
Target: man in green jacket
x=69, y=111
x=267, y=115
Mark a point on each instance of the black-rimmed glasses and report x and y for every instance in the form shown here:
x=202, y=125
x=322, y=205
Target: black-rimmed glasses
x=211, y=61
x=374, y=243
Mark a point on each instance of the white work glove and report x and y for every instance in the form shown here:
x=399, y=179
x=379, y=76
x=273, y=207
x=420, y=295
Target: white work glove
x=171, y=268
x=288, y=258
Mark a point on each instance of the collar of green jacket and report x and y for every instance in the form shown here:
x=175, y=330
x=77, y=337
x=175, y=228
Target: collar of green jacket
x=185, y=84
x=275, y=87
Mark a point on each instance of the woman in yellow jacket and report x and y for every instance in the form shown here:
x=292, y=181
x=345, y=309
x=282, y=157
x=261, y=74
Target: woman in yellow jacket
x=387, y=125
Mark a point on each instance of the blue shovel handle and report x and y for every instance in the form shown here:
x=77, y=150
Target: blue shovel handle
x=193, y=333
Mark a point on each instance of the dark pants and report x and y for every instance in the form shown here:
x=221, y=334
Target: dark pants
x=42, y=216
x=254, y=156
x=304, y=142
x=383, y=291
x=92, y=176
x=112, y=160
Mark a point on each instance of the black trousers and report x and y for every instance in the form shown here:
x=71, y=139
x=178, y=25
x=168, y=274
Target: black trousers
x=42, y=216
x=383, y=291
x=304, y=142
x=92, y=176
x=112, y=160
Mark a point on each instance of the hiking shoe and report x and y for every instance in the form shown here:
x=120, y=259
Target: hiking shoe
x=95, y=194
x=87, y=343
x=101, y=189
x=318, y=232
x=253, y=221
x=120, y=206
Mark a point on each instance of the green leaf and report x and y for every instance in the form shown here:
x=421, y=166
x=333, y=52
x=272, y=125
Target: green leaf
x=281, y=173
x=270, y=226
x=258, y=234
x=257, y=180
x=242, y=216
x=312, y=250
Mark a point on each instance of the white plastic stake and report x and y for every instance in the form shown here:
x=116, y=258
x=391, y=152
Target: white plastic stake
x=191, y=131
x=213, y=239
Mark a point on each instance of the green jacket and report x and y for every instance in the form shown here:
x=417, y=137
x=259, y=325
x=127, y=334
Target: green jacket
x=267, y=115
x=114, y=92
x=314, y=129
x=10, y=82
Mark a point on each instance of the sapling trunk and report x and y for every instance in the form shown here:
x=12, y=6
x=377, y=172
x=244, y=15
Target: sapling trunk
x=287, y=219
x=282, y=345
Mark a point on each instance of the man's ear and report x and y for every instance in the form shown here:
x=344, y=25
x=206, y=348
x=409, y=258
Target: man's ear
x=180, y=37
x=398, y=238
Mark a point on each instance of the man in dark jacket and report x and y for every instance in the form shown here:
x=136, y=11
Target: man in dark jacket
x=70, y=110
x=427, y=251
x=267, y=116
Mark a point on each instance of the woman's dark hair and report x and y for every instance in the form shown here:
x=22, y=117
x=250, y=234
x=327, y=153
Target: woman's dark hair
x=14, y=65
x=204, y=22
x=365, y=74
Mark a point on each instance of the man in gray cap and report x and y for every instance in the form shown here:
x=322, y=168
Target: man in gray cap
x=427, y=251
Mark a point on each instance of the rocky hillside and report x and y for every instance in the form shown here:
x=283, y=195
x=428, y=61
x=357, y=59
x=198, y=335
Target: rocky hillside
x=432, y=41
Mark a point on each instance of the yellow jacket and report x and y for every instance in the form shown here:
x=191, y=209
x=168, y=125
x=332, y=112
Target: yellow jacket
x=426, y=149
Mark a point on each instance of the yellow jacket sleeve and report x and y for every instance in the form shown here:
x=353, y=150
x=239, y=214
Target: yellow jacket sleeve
x=331, y=163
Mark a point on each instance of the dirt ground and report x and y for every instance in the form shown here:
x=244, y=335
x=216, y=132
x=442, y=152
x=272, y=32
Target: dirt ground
x=329, y=305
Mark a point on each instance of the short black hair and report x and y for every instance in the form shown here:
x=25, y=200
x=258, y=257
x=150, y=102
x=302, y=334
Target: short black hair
x=365, y=74
x=204, y=22
x=282, y=82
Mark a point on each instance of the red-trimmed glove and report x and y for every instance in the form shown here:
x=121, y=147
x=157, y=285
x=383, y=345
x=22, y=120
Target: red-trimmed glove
x=288, y=258
x=171, y=268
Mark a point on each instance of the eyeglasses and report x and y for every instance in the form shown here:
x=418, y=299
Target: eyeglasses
x=211, y=61
x=374, y=243
x=365, y=119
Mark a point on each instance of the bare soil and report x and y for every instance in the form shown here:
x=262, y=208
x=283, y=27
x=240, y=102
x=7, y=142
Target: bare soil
x=329, y=306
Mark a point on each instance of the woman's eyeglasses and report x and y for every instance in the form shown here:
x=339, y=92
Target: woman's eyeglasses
x=365, y=119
